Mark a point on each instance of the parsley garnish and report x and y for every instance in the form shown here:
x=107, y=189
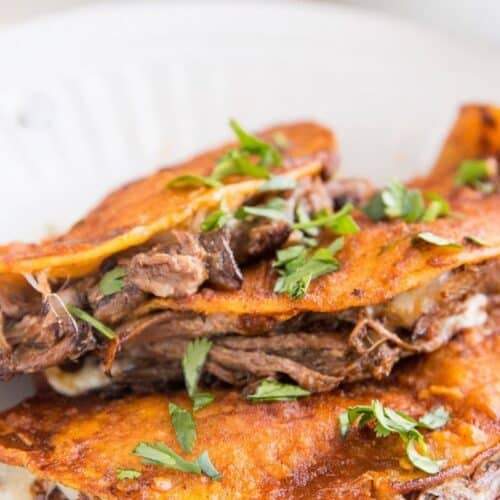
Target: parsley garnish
x=437, y=240
x=112, y=281
x=435, y=419
x=298, y=269
x=396, y=201
x=438, y=207
x=207, y=467
x=270, y=390
x=252, y=158
x=192, y=364
x=78, y=313
x=217, y=219
x=389, y=421
x=475, y=173
x=161, y=455
x=273, y=209
x=184, y=426
x=190, y=181
x=201, y=399
x=278, y=183
x=122, y=474
x=339, y=222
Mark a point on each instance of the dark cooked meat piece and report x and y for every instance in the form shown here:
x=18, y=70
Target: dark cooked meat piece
x=252, y=240
x=174, y=268
x=51, y=338
x=112, y=308
x=223, y=271
x=166, y=275
x=17, y=299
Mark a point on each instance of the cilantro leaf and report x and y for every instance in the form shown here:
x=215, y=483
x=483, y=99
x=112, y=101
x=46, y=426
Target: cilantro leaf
x=389, y=421
x=273, y=209
x=193, y=361
x=249, y=143
x=112, y=281
x=237, y=162
x=298, y=269
x=161, y=455
x=437, y=240
x=435, y=419
x=217, y=219
x=270, y=390
x=339, y=222
x=78, y=313
x=438, y=207
x=207, y=467
x=122, y=474
x=422, y=462
x=184, y=426
x=201, y=399
x=278, y=183
x=471, y=172
x=190, y=181
x=396, y=201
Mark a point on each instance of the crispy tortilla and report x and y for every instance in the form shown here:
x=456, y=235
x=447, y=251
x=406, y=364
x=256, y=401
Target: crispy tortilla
x=267, y=450
x=377, y=263
x=134, y=213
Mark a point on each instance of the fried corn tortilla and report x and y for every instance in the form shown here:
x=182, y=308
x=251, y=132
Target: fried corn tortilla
x=290, y=449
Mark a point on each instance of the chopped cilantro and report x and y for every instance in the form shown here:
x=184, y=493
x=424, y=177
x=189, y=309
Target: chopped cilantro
x=190, y=181
x=207, y=467
x=472, y=172
x=161, y=455
x=217, y=219
x=396, y=201
x=273, y=209
x=270, y=390
x=78, y=313
x=184, y=426
x=435, y=419
x=112, y=281
x=387, y=421
x=278, y=183
x=298, y=269
x=192, y=364
x=339, y=222
x=123, y=474
x=437, y=240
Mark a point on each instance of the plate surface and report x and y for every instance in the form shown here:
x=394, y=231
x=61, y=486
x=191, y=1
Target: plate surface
x=97, y=96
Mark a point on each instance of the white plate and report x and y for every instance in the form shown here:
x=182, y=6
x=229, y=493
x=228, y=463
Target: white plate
x=99, y=95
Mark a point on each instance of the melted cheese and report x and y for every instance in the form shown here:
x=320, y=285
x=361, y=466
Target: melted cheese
x=15, y=484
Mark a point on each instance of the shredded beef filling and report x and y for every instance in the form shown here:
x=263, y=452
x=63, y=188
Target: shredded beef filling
x=316, y=350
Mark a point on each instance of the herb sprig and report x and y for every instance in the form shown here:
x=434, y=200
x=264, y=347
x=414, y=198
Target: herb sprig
x=297, y=268
x=270, y=390
x=476, y=174
x=113, y=281
x=340, y=222
x=192, y=363
x=396, y=201
x=78, y=313
x=253, y=158
x=388, y=421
